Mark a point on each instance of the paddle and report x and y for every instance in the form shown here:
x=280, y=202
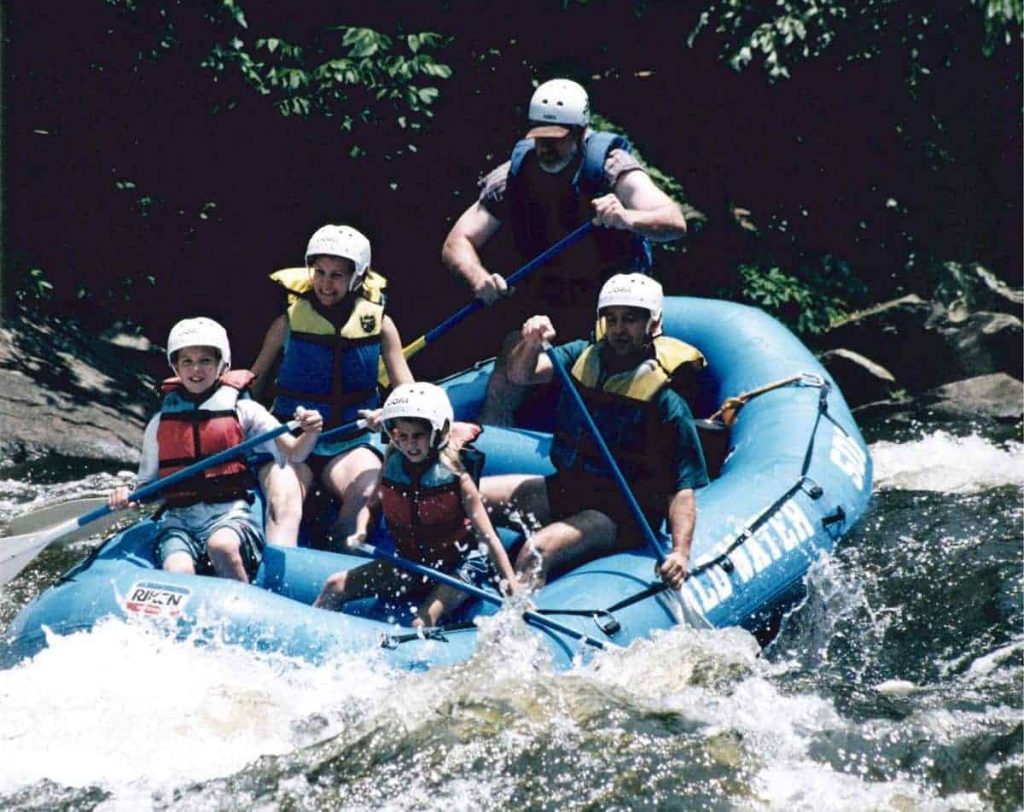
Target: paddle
x=35, y=520
x=17, y=551
x=469, y=589
x=620, y=480
x=517, y=276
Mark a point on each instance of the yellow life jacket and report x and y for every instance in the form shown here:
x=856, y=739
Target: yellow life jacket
x=328, y=367
x=646, y=380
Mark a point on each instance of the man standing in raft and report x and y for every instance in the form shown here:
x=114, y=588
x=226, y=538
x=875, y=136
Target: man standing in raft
x=559, y=176
x=333, y=337
x=626, y=380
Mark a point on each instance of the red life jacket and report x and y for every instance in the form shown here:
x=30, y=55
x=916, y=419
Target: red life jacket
x=193, y=429
x=424, y=513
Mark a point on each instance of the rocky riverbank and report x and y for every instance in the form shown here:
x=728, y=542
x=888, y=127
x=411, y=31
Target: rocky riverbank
x=955, y=355
x=65, y=393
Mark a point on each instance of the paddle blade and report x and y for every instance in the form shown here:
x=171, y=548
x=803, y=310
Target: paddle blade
x=35, y=520
x=40, y=520
x=691, y=615
x=17, y=552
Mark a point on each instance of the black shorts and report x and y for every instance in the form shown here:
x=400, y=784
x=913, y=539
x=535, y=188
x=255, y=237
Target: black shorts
x=572, y=492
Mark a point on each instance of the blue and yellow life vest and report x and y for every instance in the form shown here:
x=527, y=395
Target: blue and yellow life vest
x=424, y=513
x=330, y=365
x=624, y=408
x=529, y=212
x=192, y=429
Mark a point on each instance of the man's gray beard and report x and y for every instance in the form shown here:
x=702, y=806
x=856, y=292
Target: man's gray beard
x=554, y=169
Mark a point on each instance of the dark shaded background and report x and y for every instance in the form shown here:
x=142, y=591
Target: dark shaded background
x=124, y=160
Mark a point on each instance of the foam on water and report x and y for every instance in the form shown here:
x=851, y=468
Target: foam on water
x=121, y=707
x=945, y=463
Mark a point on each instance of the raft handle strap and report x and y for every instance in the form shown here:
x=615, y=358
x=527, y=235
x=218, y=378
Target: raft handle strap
x=393, y=641
x=603, y=618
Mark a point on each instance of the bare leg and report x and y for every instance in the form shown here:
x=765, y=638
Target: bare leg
x=350, y=478
x=348, y=585
x=503, y=397
x=520, y=498
x=179, y=562
x=224, y=549
x=565, y=544
x=441, y=600
x=285, y=488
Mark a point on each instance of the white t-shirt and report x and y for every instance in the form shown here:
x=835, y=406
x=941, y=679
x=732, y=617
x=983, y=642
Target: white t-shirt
x=253, y=416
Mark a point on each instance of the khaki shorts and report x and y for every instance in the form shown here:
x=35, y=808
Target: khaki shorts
x=188, y=530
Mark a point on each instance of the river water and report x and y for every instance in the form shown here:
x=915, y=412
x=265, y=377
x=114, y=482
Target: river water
x=897, y=685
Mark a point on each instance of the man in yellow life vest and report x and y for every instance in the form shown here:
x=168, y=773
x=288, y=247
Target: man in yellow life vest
x=625, y=378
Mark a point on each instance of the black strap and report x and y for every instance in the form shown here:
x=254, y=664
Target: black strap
x=433, y=633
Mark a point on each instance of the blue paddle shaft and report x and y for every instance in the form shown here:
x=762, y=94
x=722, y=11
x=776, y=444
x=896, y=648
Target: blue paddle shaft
x=569, y=239
x=152, y=489
x=627, y=492
x=469, y=589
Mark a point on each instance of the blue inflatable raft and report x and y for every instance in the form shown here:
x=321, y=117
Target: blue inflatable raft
x=795, y=478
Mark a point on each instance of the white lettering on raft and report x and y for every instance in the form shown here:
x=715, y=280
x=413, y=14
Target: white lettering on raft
x=848, y=457
x=787, y=529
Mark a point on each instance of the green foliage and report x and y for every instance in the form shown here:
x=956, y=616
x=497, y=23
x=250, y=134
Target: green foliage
x=355, y=75
x=35, y=288
x=782, y=33
x=352, y=74
x=809, y=300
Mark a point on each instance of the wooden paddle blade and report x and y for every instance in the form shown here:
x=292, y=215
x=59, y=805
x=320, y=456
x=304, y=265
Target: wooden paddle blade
x=33, y=521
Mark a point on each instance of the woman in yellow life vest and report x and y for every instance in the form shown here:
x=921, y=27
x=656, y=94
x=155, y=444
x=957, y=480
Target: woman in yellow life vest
x=331, y=342
x=625, y=379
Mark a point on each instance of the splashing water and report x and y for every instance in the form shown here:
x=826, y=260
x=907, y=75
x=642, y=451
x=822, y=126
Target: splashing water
x=895, y=685
x=948, y=464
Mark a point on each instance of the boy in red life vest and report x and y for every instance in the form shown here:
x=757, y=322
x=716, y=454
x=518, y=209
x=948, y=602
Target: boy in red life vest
x=432, y=507
x=206, y=409
x=331, y=342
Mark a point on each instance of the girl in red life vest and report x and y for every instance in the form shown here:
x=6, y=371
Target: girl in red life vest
x=206, y=410
x=432, y=508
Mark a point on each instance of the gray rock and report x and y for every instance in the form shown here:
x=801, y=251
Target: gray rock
x=902, y=336
x=985, y=343
x=968, y=288
x=62, y=392
x=998, y=396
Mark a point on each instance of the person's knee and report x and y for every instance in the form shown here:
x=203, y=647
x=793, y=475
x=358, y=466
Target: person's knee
x=337, y=583
x=333, y=592
x=224, y=547
x=531, y=554
x=179, y=562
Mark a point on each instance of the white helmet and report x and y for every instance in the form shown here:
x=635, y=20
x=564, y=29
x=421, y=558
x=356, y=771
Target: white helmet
x=632, y=290
x=425, y=401
x=198, y=332
x=341, y=241
x=558, y=104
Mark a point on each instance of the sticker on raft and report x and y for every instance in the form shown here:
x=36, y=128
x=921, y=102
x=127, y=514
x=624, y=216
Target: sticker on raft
x=156, y=600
